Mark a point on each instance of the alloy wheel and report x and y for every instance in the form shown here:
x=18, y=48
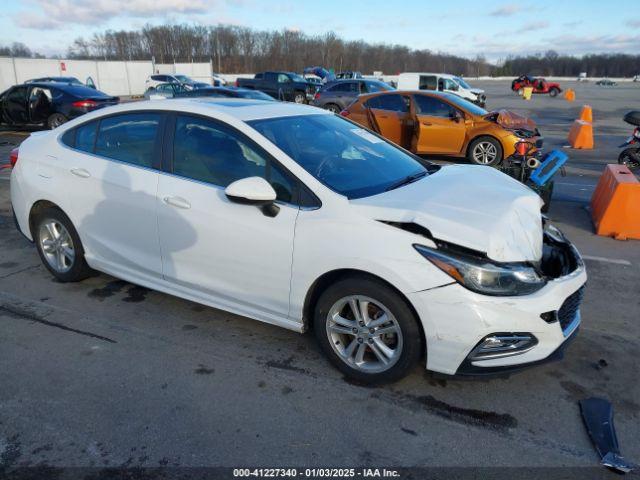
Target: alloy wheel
x=485, y=153
x=299, y=98
x=57, y=245
x=364, y=334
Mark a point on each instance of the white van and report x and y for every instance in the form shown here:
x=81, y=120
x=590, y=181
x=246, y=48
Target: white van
x=442, y=82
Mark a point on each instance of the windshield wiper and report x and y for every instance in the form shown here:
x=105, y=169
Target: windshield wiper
x=406, y=180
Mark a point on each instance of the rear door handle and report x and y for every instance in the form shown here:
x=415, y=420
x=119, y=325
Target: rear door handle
x=178, y=202
x=80, y=172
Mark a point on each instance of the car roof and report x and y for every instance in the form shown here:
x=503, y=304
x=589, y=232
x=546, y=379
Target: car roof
x=243, y=109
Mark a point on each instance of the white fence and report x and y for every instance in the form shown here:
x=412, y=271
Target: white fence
x=114, y=78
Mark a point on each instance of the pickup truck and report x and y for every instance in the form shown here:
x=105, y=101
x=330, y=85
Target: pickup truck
x=281, y=86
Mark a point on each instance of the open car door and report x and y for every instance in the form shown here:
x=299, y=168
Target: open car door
x=440, y=127
x=15, y=105
x=389, y=115
x=39, y=104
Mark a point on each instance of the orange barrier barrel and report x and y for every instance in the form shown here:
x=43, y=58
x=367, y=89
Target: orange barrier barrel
x=570, y=95
x=615, y=204
x=581, y=135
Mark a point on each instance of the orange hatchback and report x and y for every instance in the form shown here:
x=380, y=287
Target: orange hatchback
x=438, y=123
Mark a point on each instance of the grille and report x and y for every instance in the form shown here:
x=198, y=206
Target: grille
x=569, y=308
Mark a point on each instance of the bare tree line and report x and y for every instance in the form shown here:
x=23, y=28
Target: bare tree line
x=553, y=64
x=233, y=49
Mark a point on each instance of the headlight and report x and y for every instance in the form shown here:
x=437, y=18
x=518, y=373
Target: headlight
x=483, y=276
x=553, y=232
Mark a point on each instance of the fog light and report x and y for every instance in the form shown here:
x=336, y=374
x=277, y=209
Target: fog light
x=498, y=345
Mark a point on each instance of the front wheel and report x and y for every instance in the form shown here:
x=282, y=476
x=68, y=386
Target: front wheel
x=367, y=330
x=485, y=151
x=554, y=92
x=59, y=246
x=55, y=120
x=630, y=157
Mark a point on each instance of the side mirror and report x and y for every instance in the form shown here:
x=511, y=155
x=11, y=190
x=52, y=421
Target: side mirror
x=456, y=116
x=90, y=83
x=254, y=191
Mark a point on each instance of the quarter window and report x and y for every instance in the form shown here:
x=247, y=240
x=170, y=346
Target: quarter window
x=86, y=137
x=427, y=82
x=209, y=152
x=129, y=138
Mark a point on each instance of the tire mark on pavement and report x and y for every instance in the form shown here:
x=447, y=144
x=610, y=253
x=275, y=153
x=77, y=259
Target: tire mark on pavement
x=22, y=314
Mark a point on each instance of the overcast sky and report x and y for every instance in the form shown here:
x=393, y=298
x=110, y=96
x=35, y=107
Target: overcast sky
x=465, y=27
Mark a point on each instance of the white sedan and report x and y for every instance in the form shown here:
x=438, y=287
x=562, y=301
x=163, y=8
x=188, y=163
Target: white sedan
x=294, y=216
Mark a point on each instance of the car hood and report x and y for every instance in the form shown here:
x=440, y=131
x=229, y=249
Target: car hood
x=477, y=91
x=475, y=207
x=511, y=120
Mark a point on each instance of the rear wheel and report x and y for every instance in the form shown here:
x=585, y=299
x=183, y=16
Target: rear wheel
x=59, y=246
x=630, y=157
x=299, y=97
x=332, y=107
x=485, y=151
x=554, y=92
x=367, y=330
x=55, y=120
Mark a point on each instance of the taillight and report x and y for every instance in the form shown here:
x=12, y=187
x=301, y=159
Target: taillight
x=84, y=104
x=316, y=96
x=13, y=157
x=345, y=113
x=237, y=82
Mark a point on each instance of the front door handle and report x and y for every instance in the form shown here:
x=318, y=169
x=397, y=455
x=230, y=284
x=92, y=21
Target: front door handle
x=80, y=172
x=427, y=124
x=178, y=202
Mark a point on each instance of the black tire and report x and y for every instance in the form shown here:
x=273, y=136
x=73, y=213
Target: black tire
x=554, y=92
x=79, y=270
x=332, y=107
x=412, y=343
x=55, y=120
x=299, y=97
x=476, y=143
x=630, y=158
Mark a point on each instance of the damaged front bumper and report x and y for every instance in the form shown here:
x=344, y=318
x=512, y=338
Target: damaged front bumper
x=457, y=321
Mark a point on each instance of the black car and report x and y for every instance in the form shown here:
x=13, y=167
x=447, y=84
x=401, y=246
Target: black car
x=338, y=95
x=49, y=103
x=176, y=90
x=287, y=86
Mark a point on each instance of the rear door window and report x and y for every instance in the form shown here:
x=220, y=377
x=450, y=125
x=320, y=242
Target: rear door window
x=129, y=138
x=433, y=107
x=393, y=103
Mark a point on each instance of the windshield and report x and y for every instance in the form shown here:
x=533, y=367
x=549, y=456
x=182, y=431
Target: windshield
x=462, y=83
x=343, y=156
x=183, y=78
x=465, y=105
